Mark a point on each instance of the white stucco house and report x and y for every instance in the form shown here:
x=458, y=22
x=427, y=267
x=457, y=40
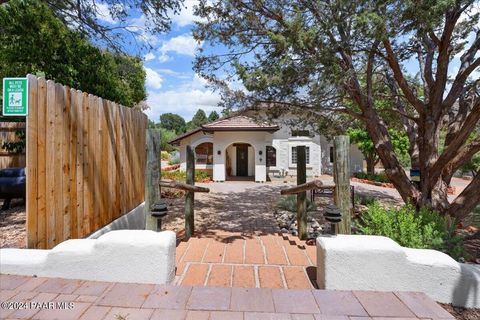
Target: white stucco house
x=244, y=147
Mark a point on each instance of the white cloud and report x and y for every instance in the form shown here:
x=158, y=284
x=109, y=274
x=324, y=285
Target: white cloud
x=186, y=16
x=164, y=58
x=184, y=100
x=149, y=56
x=103, y=13
x=139, y=27
x=184, y=44
x=154, y=79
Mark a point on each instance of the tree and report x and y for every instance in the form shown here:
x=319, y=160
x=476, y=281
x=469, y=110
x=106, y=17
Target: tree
x=320, y=57
x=109, y=22
x=363, y=141
x=213, y=116
x=173, y=122
x=165, y=136
x=198, y=120
x=46, y=47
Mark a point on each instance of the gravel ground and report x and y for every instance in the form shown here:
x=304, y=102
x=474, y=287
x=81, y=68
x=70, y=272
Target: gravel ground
x=462, y=313
x=12, y=225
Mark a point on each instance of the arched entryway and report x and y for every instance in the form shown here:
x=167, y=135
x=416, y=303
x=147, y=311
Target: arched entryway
x=240, y=161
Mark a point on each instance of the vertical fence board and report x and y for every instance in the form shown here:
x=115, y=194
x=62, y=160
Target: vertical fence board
x=91, y=161
x=87, y=218
x=32, y=183
x=65, y=118
x=50, y=163
x=73, y=164
x=85, y=162
x=58, y=152
x=41, y=165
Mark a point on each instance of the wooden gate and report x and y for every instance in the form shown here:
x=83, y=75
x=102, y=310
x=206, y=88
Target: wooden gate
x=85, y=162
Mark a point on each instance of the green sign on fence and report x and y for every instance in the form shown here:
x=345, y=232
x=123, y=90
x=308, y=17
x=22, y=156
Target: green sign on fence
x=15, y=97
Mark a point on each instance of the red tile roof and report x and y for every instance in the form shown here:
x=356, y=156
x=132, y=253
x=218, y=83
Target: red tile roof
x=239, y=122
x=235, y=123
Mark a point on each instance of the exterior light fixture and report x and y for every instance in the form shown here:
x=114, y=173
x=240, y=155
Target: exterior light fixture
x=219, y=152
x=260, y=152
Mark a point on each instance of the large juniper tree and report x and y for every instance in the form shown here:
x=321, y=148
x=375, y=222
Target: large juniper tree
x=109, y=21
x=325, y=56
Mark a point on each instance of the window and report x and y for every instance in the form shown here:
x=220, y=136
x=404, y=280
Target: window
x=271, y=156
x=294, y=155
x=300, y=133
x=204, y=153
x=331, y=154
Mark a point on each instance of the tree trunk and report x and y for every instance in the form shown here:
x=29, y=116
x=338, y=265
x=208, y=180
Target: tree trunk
x=371, y=161
x=394, y=171
x=466, y=201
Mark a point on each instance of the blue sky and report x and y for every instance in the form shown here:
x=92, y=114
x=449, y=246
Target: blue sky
x=172, y=85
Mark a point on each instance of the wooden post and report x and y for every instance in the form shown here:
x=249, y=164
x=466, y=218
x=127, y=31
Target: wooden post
x=302, y=196
x=189, y=197
x=152, y=176
x=341, y=176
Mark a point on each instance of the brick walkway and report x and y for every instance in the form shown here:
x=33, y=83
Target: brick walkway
x=121, y=301
x=246, y=260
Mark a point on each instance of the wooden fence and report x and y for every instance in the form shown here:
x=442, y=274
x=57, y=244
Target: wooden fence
x=8, y=133
x=85, y=162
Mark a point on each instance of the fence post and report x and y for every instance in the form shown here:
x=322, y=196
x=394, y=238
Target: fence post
x=341, y=176
x=302, y=196
x=152, y=176
x=189, y=197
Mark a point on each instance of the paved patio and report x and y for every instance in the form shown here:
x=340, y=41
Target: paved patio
x=247, y=260
x=120, y=301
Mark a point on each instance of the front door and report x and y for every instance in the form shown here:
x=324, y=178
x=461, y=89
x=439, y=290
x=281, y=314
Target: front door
x=242, y=160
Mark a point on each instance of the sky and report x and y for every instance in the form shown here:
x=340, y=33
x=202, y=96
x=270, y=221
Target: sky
x=172, y=85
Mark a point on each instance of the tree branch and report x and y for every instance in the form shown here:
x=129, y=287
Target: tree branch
x=468, y=64
x=460, y=139
x=466, y=201
x=398, y=75
x=463, y=156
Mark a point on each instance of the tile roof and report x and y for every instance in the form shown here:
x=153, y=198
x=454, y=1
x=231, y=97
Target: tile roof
x=235, y=123
x=239, y=122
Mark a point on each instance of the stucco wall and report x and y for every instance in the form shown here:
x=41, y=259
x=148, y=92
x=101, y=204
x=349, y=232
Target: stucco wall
x=356, y=157
x=281, y=140
x=356, y=262
x=138, y=256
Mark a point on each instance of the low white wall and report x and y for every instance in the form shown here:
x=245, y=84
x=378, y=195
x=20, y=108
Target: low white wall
x=134, y=220
x=356, y=262
x=139, y=256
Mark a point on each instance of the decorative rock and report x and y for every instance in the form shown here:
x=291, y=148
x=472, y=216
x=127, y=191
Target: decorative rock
x=284, y=230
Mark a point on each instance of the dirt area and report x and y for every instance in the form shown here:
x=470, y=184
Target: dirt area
x=12, y=225
x=230, y=206
x=462, y=313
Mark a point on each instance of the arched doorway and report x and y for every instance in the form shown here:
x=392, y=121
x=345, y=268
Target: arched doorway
x=204, y=157
x=240, y=161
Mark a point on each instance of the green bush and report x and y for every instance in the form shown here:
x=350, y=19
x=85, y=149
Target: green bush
x=363, y=199
x=424, y=229
x=200, y=176
x=164, y=155
x=289, y=203
x=174, y=161
x=381, y=177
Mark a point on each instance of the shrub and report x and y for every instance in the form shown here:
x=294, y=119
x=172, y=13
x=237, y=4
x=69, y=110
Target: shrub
x=381, y=177
x=289, y=203
x=164, y=155
x=424, y=229
x=363, y=199
x=200, y=176
x=174, y=161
